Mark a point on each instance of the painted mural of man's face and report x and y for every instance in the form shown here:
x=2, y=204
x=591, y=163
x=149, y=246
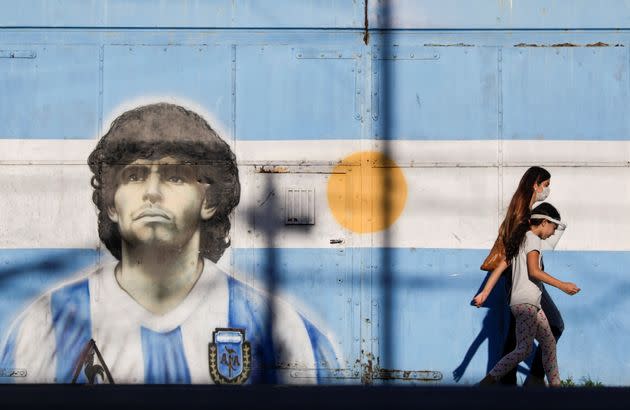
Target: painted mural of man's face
x=159, y=203
x=165, y=161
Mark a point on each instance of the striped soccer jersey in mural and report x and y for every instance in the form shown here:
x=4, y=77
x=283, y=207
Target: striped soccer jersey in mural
x=140, y=347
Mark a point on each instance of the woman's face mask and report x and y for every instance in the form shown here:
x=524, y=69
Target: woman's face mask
x=542, y=195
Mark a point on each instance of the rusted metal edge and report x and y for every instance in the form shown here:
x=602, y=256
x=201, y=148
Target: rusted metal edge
x=560, y=45
x=418, y=375
x=326, y=374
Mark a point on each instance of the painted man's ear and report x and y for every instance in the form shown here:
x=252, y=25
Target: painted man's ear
x=207, y=211
x=112, y=214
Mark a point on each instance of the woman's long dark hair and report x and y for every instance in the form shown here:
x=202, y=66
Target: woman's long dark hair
x=514, y=242
x=518, y=210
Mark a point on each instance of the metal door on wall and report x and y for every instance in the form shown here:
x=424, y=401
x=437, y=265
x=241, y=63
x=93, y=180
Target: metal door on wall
x=287, y=241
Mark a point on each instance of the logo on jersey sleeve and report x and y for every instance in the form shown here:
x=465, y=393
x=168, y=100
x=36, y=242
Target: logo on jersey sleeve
x=230, y=356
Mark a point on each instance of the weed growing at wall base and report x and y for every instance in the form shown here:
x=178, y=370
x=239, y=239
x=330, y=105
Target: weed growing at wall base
x=584, y=382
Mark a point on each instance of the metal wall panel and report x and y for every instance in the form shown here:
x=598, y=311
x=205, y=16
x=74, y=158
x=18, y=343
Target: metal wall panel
x=31, y=87
x=501, y=14
x=573, y=93
x=183, y=14
x=200, y=75
x=295, y=90
x=274, y=82
x=427, y=87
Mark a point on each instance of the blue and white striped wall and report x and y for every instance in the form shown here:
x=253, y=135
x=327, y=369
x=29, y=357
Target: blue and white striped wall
x=462, y=98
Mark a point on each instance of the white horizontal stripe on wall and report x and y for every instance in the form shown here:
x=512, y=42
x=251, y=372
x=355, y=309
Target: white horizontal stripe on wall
x=457, y=192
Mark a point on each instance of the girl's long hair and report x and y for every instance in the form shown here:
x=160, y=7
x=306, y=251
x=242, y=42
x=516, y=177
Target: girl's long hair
x=514, y=242
x=518, y=210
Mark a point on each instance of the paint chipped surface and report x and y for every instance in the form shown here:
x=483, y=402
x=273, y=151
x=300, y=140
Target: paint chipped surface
x=272, y=169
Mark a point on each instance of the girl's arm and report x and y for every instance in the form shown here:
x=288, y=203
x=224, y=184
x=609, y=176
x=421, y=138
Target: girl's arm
x=492, y=280
x=534, y=271
x=551, y=242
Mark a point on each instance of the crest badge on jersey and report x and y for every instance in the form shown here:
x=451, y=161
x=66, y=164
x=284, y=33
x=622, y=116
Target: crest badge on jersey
x=230, y=356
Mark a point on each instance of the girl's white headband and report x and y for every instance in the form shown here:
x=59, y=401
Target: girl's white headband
x=550, y=219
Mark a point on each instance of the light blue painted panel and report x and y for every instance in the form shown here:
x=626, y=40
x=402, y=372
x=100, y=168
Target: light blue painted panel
x=435, y=93
x=499, y=14
x=26, y=273
x=408, y=14
x=433, y=326
x=285, y=92
x=566, y=93
x=320, y=280
x=51, y=92
x=303, y=13
x=197, y=75
x=182, y=13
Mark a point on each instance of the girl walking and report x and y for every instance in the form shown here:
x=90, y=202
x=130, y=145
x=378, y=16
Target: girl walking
x=523, y=249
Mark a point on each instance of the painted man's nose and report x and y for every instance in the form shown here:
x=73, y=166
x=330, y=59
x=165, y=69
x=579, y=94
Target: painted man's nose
x=153, y=191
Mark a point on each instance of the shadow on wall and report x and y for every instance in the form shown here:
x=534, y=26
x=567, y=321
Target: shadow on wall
x=26, y=273
x=494, y=328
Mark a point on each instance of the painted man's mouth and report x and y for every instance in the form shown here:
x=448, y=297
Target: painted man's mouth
x=153, y=213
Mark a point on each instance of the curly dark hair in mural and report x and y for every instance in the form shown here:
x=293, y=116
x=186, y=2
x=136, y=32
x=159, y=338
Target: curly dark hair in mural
x=156, y=131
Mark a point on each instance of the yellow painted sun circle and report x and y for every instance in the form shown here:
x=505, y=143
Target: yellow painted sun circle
x=367, y=192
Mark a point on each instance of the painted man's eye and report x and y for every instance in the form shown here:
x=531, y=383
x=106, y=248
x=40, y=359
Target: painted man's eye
x=133, y=174
x=177, y=174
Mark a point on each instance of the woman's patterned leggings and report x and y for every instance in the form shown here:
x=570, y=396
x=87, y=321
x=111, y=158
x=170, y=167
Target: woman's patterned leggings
x=531, y=323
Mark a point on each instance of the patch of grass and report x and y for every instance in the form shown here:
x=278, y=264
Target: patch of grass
x=584, y=382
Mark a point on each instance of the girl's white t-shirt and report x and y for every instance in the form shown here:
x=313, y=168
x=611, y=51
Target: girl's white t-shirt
x=524, y=288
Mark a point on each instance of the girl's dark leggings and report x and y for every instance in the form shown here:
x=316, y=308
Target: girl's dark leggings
x=557, y=327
